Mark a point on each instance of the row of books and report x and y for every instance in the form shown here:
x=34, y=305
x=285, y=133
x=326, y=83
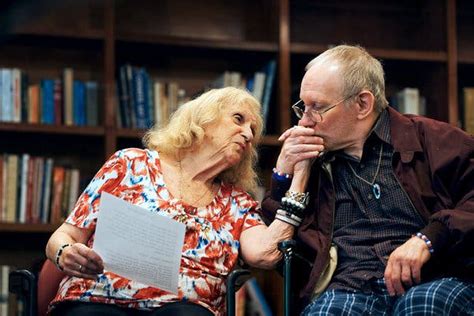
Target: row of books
x=468, y=113
x=409, y=101
x=34, y=190
x=65, y=101
x=143, y=101
x=260, y=84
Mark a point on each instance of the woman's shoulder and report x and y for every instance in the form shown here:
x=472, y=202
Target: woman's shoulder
x=136, y=154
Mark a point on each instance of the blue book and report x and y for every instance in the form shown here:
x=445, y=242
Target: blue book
x=129, y=73
x=92, y=103
x=6, y=95
x=141, y=98
x=79, y=103
x=47, y=101
x=269, y=70
x=124, y=98
x=257, y=298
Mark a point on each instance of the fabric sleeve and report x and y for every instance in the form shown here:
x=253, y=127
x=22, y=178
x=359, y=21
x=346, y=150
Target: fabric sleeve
x=108, y=178
x=453, y=227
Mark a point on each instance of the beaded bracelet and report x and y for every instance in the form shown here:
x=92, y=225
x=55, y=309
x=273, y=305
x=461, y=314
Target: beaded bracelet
x=426, y=240
x=281, y=176
x=58, y=255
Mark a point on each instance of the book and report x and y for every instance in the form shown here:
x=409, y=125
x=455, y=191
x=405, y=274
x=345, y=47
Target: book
x=257, y=303
x=469, y=110
x=258, y=85
x=92, y=103
x=25, y=158
x=4, y=293
x=68, y=79
x=408, y=101
x=6, y=95
x=47, y=101
x=270, y=70
x=124, y=99
x=46, y=197
x=12, y=188
x=34, y=103
x=58, y=102
x=16, y=94
x=79, y=103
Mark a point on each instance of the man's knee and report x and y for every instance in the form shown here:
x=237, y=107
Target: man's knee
x=447, y=296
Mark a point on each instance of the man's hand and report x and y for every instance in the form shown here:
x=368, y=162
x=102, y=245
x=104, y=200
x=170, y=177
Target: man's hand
x=300, y=143
x=404, y=266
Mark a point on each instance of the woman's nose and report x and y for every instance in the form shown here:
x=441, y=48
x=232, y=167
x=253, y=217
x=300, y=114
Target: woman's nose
x=248, y=134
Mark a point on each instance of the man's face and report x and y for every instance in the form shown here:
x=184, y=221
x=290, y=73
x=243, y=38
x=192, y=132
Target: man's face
x=322, y=87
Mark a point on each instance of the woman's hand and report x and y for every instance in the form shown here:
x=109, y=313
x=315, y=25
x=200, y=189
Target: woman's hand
x=81, y=261
x=300, y=143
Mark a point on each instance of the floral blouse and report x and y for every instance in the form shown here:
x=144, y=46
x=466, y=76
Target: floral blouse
x=211, y=243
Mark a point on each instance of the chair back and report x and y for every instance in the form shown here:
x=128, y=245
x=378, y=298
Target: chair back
x=48, y=283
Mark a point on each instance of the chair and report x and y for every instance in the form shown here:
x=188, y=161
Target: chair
x=36, y=291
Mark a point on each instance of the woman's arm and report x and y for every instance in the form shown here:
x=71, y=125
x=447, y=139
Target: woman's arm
x=259, y=244
x=75, y=259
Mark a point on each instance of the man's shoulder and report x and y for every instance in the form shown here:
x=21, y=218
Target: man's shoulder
x=412, y=127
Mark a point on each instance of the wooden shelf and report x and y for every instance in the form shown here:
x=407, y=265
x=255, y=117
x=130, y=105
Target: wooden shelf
x=199, y=42
x=28, y=228
x=413, y=55
x=52, y=129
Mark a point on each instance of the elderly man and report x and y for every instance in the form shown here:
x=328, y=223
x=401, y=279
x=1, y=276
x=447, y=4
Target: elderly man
x=390, y=196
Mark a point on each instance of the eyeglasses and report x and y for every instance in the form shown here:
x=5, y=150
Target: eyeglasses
x=315, y=115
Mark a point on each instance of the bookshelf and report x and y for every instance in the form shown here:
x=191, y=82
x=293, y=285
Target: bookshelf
x=424, y=44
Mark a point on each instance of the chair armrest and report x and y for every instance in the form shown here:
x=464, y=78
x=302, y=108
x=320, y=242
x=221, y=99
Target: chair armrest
x=23, y=284
x=234, y=281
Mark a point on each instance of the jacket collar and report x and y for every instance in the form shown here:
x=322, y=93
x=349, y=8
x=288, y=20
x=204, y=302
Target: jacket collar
x=405, y=139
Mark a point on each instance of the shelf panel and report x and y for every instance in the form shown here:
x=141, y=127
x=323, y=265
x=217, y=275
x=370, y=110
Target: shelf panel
x=51, y=129
x=28, y=228
x=304, y=48
x=466, y=58
x=199, y=43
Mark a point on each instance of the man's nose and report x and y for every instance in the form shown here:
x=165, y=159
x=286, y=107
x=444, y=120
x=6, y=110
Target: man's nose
x=306, y=121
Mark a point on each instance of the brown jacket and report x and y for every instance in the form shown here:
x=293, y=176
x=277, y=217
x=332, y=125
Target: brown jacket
x=434, y=163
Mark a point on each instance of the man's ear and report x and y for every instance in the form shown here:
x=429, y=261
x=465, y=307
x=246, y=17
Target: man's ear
x=366, y=104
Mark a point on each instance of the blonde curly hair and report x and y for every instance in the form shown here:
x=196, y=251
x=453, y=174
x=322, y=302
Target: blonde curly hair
x=186, y=129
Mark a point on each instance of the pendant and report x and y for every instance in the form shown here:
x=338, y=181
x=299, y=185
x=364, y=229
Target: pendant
x=376, y=190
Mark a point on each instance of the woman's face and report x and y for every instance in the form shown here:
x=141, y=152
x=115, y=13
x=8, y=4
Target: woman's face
x=230, y=137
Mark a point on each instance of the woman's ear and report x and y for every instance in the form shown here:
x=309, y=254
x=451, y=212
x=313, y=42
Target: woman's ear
x=366, y=102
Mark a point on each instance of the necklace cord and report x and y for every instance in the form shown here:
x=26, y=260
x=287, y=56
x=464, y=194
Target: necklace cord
x=376, y=172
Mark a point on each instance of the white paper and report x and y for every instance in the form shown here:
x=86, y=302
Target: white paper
x=138, y=244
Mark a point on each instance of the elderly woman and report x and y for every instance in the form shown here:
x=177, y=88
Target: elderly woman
x=196, y=170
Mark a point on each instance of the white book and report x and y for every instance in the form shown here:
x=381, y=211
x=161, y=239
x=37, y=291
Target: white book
x=25, y=158
x=16, y=95
x=410, y=101
x=159, y=92
x=259, y=85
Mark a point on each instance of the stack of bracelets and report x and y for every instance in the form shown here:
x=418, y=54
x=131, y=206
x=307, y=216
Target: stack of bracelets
x=292, y=209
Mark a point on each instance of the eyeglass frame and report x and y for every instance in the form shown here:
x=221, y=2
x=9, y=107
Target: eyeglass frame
x=300, y=113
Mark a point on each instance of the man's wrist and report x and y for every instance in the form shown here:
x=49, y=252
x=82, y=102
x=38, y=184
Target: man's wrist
x=426, y=241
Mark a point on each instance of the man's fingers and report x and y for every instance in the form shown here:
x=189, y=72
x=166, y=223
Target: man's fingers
x=406, y=277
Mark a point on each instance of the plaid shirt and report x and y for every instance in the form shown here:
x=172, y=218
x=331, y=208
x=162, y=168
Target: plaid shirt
x=366, y=229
